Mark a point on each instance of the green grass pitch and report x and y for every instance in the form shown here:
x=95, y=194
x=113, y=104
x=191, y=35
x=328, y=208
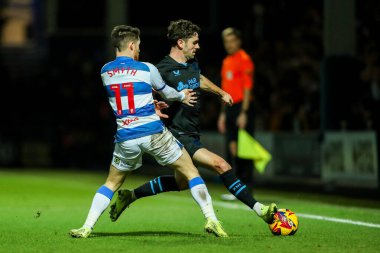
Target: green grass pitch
x=39, y=207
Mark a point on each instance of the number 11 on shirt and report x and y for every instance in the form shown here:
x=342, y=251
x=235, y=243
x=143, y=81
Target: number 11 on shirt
x=131, y=100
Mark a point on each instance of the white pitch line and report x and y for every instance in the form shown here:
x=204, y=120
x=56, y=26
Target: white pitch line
x=303, y=215
x=332, y=219
x=237, y=206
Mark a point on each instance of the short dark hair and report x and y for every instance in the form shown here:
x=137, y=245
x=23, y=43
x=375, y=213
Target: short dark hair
x=121, y=35
x=181, y=29
x=231, y=31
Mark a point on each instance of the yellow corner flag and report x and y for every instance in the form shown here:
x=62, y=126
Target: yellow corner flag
x=249, y=148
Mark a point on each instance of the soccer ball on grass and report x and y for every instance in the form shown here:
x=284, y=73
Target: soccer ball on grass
x=285, y=223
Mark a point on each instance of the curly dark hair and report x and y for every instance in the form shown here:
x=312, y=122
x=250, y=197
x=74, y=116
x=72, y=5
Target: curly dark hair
x=181, y=29
x=121, y=35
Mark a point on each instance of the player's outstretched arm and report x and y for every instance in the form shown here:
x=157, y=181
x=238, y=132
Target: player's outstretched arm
x=209, y=86
x=186, y=96
x=227, y=99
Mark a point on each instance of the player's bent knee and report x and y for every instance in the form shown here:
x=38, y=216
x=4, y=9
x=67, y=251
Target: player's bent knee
x=221, y=166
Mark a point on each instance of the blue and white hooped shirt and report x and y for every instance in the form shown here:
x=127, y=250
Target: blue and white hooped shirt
x=129, y=86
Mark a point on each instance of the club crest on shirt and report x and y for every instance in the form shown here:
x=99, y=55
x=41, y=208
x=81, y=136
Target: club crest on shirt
x=176, y=73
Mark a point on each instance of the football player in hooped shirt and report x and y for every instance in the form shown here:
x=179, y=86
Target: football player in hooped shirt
x=129, y=84
x=180, y=70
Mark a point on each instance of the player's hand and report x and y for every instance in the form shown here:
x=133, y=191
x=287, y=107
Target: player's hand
x=241, y=120
x=222, y=123
x=190, y=97
x=227, y=99
x=158, y=106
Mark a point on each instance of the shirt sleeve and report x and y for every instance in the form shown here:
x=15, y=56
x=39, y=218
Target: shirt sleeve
x=248, y=70
x=155, y=77
x=160, y=86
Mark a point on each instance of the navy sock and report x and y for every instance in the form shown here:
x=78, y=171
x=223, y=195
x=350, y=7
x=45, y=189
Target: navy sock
x=237, y=188
x=160, y=184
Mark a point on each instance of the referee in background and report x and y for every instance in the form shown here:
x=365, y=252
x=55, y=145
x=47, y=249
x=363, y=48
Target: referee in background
x=237, y=79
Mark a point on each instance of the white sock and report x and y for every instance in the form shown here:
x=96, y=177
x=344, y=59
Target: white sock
x=100, y=203
x=258, y=208
x=202, y=197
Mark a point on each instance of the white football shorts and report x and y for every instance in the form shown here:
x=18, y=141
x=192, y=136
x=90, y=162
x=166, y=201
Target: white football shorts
x=164, y=147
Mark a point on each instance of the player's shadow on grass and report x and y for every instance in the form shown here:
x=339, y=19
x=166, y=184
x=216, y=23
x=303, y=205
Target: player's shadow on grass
x=144, y=233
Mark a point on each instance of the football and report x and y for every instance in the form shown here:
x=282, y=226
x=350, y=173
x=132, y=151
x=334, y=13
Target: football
x=285, y=223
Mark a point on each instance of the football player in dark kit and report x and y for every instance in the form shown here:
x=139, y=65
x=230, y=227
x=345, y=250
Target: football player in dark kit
x=180, y=70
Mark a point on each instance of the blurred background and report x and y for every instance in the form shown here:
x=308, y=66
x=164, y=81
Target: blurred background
x=317, y=90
